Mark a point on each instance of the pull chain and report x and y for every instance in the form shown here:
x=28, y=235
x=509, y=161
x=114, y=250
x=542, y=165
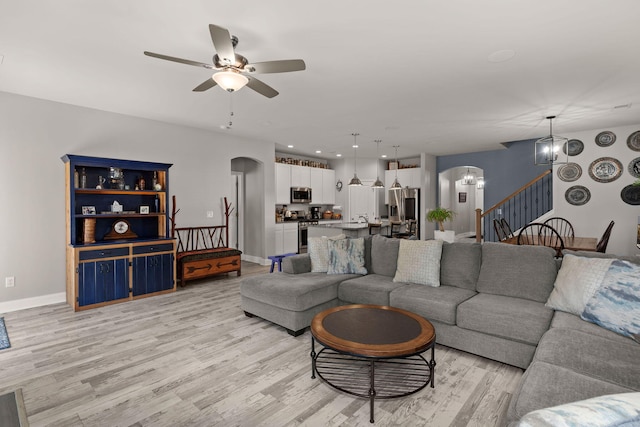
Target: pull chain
x=230, y=110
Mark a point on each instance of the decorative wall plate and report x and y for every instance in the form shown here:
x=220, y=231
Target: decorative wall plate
x=606, y=138
x=569, y=172
x=575, y=147
x=631, y=194
x=577, y=195
x=605, y=169
x=634, y=141
x=634, y=167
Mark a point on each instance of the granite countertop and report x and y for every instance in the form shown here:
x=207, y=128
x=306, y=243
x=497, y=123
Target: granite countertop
x=348, y=225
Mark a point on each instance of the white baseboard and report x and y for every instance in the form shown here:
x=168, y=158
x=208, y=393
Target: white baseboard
x=255, y=259
x=21, y=304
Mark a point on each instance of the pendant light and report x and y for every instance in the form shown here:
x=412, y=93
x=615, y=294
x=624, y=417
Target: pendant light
x=553, y=149
x=355, y=181
x=468, y=179
x=378, y=183
x=396, y=185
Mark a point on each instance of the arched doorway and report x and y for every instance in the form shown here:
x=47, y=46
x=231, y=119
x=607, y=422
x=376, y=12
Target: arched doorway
x=461, y=189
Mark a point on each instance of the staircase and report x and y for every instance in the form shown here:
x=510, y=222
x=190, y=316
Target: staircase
x=523, y=206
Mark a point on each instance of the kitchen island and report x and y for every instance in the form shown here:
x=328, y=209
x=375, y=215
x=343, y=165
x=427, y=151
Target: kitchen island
x=350, y=229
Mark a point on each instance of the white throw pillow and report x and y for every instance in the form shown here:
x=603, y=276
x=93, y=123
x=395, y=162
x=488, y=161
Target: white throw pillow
x=578, y=279
x=318, y=249
x=419, y=262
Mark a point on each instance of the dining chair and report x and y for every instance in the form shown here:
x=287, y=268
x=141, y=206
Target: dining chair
x=604, y=240
x=413, y=227
x=561, y=225
x=375, y=228
x=500, y=233
x=542, y=235
x=506, y=227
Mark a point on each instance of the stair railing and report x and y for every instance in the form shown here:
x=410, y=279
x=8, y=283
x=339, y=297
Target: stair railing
x=521, y=207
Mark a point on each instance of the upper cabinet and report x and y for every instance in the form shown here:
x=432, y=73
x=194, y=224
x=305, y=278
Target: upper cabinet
x=300, y=176
x=320, y=180
x=328, y=186
x=283, y=184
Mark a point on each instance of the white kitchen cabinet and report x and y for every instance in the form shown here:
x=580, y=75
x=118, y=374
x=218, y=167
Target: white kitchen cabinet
x=300, y=176
x=283, y=184
x=317, y=190
x=328, y=186
x=286, y=238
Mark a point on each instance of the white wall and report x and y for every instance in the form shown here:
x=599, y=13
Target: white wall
x=34, y=134
x=605, y=204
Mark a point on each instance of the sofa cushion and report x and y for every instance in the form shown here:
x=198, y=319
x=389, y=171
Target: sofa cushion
x=577, y=281
x=294, y=292
x=346, y=256
x=460, y=264
x=517, y=271
x=419, y=262
x=296, y=264
x=616, y=303
x=318, y=249
x=369, y=289
x=544, y=385
x=594, y=356
x=384, y=255
x=507, y=317
x=571, y=321
x=437, y=304
x=613, y=410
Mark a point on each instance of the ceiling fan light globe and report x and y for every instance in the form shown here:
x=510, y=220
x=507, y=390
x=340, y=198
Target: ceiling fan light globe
x=230, y=81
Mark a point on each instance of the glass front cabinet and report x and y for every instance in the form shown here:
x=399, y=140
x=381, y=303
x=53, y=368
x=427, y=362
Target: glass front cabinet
x=117, y=228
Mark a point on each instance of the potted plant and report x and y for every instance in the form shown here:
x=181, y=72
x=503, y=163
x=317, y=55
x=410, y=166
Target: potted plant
x=440, y=215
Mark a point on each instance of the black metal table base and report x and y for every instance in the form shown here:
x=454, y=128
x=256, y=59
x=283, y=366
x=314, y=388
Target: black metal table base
x=373, y=378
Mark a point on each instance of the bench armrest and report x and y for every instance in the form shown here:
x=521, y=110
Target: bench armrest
x=297, y=264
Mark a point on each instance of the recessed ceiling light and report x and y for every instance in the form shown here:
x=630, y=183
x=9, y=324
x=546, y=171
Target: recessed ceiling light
x=384, y=156
x=354, y=146
x=338, y=155
x=289, y=146
x=501, y=55
x=318, y=151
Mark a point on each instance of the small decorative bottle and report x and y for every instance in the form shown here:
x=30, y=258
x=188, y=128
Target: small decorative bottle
x=76, y=178
x=83, y=179
x=156, y=203
x=154, y=184
x=141, y=183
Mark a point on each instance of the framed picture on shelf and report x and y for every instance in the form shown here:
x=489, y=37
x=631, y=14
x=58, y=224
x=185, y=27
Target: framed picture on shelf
x=88, y=210
x=144, y=209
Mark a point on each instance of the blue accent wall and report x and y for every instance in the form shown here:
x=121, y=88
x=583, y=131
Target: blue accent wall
x=505, y=170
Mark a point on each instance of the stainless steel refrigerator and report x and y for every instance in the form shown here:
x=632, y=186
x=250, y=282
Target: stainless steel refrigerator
x=404, y=204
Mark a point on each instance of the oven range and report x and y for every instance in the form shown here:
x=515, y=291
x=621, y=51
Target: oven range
x=303, y=233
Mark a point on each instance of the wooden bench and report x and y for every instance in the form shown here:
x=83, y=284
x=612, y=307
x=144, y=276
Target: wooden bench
x=203, y=251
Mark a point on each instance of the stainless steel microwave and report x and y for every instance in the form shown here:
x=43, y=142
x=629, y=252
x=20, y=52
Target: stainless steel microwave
x=300, y=195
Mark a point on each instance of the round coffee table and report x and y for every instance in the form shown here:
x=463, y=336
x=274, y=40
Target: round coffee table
x=373, y=351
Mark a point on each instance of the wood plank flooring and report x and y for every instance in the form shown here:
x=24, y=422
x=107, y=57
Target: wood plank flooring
x=193, y=359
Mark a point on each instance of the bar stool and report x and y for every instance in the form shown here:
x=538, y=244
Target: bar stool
x=375, y=228
x=277, y=259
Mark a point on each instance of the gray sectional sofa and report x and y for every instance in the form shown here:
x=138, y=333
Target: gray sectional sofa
x=490, y=302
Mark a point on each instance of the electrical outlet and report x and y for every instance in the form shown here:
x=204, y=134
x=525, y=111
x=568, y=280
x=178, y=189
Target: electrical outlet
x=209, y=214
x=9, y=282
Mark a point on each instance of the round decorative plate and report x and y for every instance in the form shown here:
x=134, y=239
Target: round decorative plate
x=634, y=167
x=575, y=147
x=634, y=141
x=605, y=169
x=569, y=172
x=606, y=138
x=631, y=194
x=577, y=195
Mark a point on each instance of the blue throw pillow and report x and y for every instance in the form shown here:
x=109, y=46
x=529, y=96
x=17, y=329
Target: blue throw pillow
x=346, y=256
x=616, y=303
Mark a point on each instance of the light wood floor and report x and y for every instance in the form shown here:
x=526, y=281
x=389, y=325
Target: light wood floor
x=193, y=359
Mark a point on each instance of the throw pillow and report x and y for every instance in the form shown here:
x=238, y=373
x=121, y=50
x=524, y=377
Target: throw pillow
x=577, y=281
x=319, y=252
x=614, y=410
x=419, y=262
x=616, y=304
x=346, y=256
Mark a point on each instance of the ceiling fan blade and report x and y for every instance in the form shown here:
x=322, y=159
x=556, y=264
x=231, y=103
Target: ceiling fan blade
x=282, y=66
x=261, y=87
x=222, y=42
x=205, y=85
x=180, y=60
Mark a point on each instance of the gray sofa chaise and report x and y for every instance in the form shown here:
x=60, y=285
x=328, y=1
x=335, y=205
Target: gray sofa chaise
x=490, y=302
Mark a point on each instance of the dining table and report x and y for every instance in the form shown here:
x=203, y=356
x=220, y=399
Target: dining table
x=570, y=242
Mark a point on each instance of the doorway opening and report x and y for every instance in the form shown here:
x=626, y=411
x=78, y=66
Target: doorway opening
x=462, y=191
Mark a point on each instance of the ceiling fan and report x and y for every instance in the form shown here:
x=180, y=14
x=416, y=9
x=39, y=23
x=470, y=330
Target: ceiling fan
x=234, y=70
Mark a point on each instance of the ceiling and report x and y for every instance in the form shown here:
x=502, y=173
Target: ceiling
x=429, y=76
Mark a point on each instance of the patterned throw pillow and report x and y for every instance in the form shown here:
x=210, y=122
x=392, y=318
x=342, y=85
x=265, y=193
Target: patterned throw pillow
x=346, y=256
x=578, y=279
x=614, y=410
x=616, y=304
x=318, y=249
x=419, y=262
